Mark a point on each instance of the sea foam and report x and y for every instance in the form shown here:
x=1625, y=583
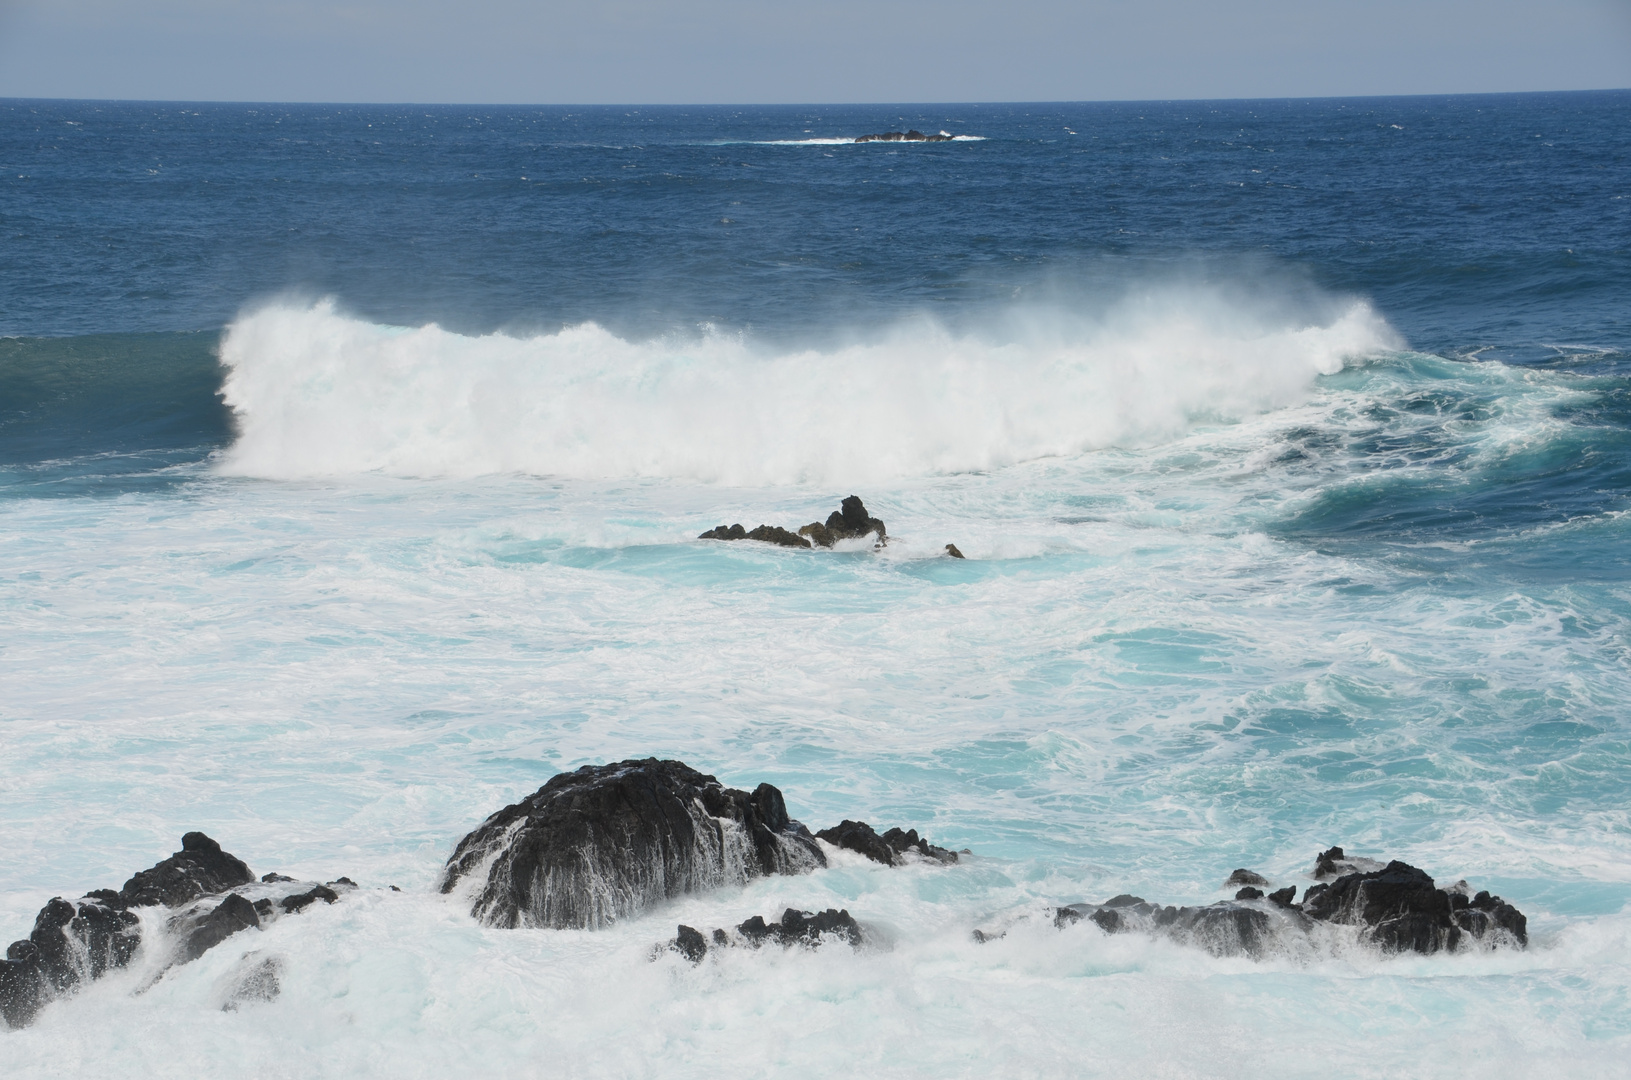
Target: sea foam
x=317, y=392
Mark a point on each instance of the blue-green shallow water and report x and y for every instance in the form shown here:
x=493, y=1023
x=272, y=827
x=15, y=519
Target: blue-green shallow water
x=1294, y=504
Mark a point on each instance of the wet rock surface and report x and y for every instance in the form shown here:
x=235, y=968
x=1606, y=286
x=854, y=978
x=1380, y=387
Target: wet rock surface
x=199, y=868
x=1396, y=908
x=606, y=841
x=1401, y=910
x=795, y=927
x=892, y=848
x=79, y=941
x=850, y=521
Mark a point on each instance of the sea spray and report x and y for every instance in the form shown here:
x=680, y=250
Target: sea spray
x=319, y=393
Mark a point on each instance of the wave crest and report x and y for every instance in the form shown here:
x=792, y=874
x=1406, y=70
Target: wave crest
x=317, y=393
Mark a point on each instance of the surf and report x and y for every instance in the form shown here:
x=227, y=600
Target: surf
x=317, y=392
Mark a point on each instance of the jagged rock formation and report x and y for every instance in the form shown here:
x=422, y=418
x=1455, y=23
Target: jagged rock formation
x=848, y=522
x=951, y=549
x=76, y=942
x=913, y=135
x=1401, y=910
x=1396, y=908
x=1246, y=877
x=768, y=534
x=890, y=849
x=602, y=843
x=795, y=928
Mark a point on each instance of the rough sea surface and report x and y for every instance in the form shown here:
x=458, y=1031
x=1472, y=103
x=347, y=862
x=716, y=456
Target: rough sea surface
x=352, y=460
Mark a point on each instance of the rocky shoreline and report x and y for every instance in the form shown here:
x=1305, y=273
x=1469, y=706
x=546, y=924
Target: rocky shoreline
x=607, y=842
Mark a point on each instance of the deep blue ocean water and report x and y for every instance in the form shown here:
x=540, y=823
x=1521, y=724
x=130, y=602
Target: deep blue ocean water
x=351, y=461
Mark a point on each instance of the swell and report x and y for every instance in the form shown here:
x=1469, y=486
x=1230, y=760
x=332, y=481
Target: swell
x=316, y=392
x=110, y=394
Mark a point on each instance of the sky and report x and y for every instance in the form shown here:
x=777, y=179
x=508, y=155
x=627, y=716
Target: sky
x=821, y=51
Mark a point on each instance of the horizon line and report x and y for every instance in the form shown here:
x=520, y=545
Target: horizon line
x=807, y=104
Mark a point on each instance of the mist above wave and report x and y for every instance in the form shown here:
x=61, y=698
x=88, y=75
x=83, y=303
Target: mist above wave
x=317, y=392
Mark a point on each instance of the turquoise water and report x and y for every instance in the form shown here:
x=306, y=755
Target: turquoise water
x=1290, y=522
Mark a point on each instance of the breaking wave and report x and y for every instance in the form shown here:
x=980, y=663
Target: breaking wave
x=316, y=392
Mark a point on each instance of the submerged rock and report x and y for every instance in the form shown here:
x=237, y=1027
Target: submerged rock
x=605, y=841
x=795, y=927
x=256, y=979
x=1245, y=877
x=1396, y=908
x=890, y=849
x=951, y=549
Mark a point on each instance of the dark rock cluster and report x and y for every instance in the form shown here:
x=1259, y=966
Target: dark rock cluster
x=606, y=841
x=1401, y=910
x=890, y=849
x=850, y=521
x=904, y=136
x=1396, y=908
x=795, y=927
x=79, y=941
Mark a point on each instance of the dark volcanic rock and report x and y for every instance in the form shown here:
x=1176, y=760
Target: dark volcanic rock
x=848, y=522
x=200, y=867
x=1246, y=877
x=775, y=534
x=299, y=901
x=851, y=520
x=889, y=849
x=690, y=944
x=913, y=135
x=1397, y=908
x=808, y=928
x=802, y=928
x=74, y=942
x=229, y=916
x=1400, y=909
x=603, y=842
x=1224, y=929
x=951, y=549
x=818, y=534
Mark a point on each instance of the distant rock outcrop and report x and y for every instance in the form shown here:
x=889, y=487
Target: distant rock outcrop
x=604, y=842
x=913, y=135
x=848, y=522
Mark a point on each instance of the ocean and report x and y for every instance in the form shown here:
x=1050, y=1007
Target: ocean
x=353, y=459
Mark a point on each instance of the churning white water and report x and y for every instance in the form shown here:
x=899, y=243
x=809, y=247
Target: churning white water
x=434, y=570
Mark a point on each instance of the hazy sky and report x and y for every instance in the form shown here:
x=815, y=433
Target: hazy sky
x=719, y=51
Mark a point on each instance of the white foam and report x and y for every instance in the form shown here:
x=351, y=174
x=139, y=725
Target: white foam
x=319, y=393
